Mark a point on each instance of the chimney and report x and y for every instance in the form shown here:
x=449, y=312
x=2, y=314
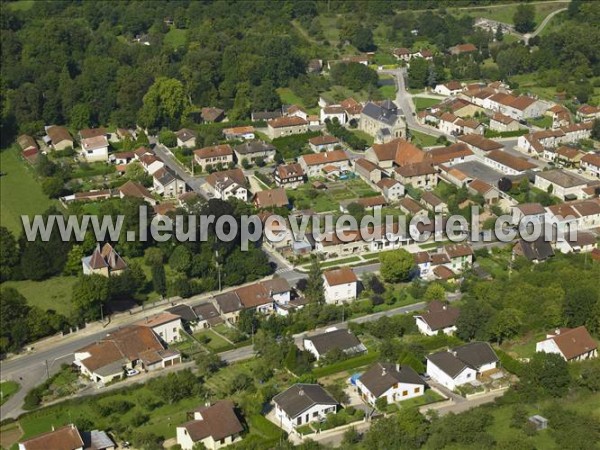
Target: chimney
x=301, y=392
x=207, y=404
x=52, y=427
x=383, y=372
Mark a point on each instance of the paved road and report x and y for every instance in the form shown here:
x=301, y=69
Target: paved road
x=194, y=182
x=542, y=25
x=405, y=103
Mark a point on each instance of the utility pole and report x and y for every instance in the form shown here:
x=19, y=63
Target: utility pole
x=218, y=267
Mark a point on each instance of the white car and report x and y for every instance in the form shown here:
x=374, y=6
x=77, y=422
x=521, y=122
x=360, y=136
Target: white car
x=131, y=372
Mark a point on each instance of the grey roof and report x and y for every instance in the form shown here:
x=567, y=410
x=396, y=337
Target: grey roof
x=206, y=311
x=248, y=148
x=476, y=354
x=342, y=339
x=112, y=368
x=183, y=311
x=538, y=250
x=448, y=363
x=300, y=397
x=229, y=302
x=265, y=115
x=166, y=176
x=382, y=376
x=381, y=113
x=96, y=440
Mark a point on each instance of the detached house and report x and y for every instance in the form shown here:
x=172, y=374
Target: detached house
x=390, y=381
x=245, y=133
x=58, y=137
x=213, y=426
x=167, y=183
x=323, y=143
x=69, y=437
x=136, y=190
x=573, y=344
x=534, y=251
x=450, y=88
x=186, y=138
x=591, y=164
x=228, y=183
x=392, y=190
x=489, y=193
x=251, y=151
x=367, y=170
x=285, y=126
x=302, y=404
x=461, y=365
x=317, y=163
x=289, y=175
x=334, y=339
x=213, y=155
x=127, y=348
x=94, y=148
x=271, y=198
x=439, y=317
x=341, y=285
x=562, y=183
x=105, y=262
x=166, y=325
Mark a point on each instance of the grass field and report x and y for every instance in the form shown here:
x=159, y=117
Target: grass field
x=542, y=122
x=364, y=136
x=20, y=192
x=422, y=139
x=21, y=5
x=422, y=103
x=7, y=389
x=288, y=97
x=54, y=293
x=175, y=37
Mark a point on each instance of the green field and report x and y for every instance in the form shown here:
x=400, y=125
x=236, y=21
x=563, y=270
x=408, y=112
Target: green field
x=364, y=136
x=7, y=389
x=288, y=97
x=422, y=103
x=54, y=293
x=422, y=139
x=21, y=5
x=20, y=192
x=175, y=37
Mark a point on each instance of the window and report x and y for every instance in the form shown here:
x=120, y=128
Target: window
x=404, y=393
x=417, y=390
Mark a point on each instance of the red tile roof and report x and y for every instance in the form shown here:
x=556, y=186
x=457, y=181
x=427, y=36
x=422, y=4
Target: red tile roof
x=64, y=438
x=343, y=275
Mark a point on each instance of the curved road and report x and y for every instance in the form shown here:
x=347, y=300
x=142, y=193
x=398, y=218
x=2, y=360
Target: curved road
x=542, y=25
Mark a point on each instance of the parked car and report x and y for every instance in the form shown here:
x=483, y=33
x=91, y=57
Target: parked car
x=131, y=372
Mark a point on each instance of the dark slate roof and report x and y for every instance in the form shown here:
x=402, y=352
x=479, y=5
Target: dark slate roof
x=183, y=311
x=382, y=376
x=342, y=339
x=381, y=113
x=248, y=148
x=301, y=397
x=265, y=115
x=229, y=302
x=166, y=176
x=538, y=250
x=475, y=354
x=206, y=311
x=447, y=362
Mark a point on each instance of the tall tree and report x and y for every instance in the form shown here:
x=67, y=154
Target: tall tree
x=159, y=279
x=524, y=18
x=396, y=266
x=315, y=292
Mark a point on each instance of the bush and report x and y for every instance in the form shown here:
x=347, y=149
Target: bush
x=109, y=407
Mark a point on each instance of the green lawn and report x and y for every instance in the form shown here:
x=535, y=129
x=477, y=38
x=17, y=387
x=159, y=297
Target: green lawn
x=338, y=262
x=21, y=5
x=348, y=364
x=422, y=139
x=20, y=192
x=542, y=122
x=175, y=37
x=288, y=97
x=422, y=103
x=216, y=343
x=364, y=136
x=54, y=293
x=388, y=92
x=8, y=388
